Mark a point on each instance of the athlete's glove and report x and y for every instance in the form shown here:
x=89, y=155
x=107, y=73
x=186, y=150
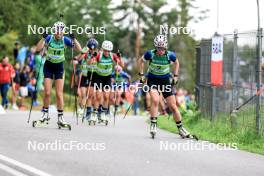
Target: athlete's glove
x=142, y=78
x=72, y=36
x=44, y=35
x=75, y=61
x=175, y=80
x=118, y=53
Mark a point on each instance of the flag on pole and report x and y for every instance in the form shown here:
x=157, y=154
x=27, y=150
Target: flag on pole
x=217, y=61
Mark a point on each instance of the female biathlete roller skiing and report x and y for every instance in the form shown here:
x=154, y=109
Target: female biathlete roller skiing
x=158, y=80
x=121, y=81
x=87, y=76
x=105, y=60
x=54, y=69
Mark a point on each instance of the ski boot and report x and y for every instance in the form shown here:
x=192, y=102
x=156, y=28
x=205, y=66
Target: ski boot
x=80, y=113
x=62, y=123
x=153, y=127
x=42, y=121
x=87, y=114
x=186, y=134
x=93, y=118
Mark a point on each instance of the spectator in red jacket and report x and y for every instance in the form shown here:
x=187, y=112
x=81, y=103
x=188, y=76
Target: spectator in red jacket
x=7, y=72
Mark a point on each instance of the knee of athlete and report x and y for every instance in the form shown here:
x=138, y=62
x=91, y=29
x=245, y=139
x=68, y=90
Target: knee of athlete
x=83, y=96
x=59, y=95
x=155, y=102
x=174, y=108
x=47, y=93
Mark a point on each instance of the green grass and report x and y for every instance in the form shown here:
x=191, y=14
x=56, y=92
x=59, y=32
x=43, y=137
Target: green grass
x=219, y=131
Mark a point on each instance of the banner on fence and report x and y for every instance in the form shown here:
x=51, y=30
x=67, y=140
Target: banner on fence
x=217, y=61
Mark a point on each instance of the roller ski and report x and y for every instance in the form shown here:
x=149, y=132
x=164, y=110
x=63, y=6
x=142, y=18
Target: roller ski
x=185, y=134
x=44, y=120
x=62, y=123
x=86, y=117
x=104, y=119
x=92, y=119
x=153, y=127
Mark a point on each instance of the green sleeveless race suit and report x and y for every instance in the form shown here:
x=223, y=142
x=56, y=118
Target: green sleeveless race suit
x=105, y=65
x=55, y=52
x=85, y=68
x=159, y=65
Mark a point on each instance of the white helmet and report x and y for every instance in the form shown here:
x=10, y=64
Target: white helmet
x=161, y=41
x=107, y=45
x=59, y=27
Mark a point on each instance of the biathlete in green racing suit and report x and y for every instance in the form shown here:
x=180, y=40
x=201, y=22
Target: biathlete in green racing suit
x=54, y=68
x=158, y=81
x=88, y=69
x=105, y=62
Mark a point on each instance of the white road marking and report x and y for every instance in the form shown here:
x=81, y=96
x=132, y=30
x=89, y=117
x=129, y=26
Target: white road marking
x=23, y=166
x=11, y=170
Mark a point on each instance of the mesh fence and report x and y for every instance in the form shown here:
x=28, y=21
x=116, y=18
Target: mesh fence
x=239, y=80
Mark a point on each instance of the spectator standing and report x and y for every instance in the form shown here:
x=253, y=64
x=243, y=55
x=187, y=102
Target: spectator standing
x=39, y=76
x=23, y=90
x=6, y=75
x=15, y=86
x=16, y=49
x=22, y=55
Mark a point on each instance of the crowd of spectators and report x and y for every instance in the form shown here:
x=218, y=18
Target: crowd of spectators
x=18, y=77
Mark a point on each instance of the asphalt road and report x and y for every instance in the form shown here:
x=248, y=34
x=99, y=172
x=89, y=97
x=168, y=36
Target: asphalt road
x=123, y=149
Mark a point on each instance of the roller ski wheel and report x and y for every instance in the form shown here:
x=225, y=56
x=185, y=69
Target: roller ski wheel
x=93, y=122
x=153, y=134
x=62, y=125
x=90, y=122
x=106, y=122
x=100, y=121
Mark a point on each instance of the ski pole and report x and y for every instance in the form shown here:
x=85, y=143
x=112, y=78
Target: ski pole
x=115, y=97
x=248, y=100
x=74, y=85
x=119, y=55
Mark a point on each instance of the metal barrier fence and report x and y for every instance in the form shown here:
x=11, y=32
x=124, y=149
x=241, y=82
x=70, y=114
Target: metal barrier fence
x=240, y=63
